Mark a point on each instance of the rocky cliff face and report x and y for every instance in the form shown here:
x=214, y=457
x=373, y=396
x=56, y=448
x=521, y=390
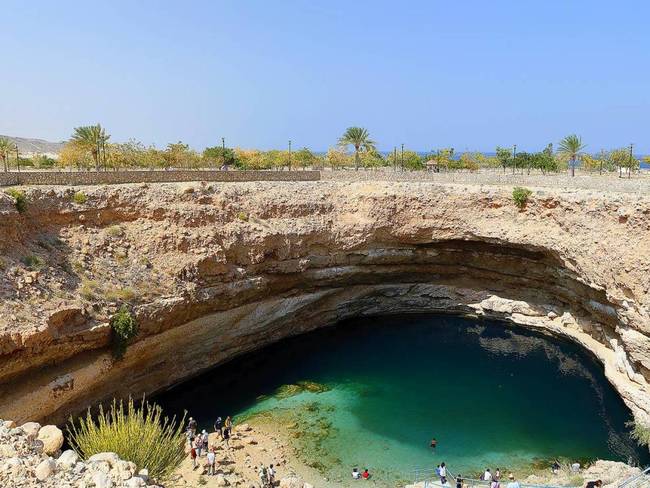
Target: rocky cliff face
x=213, y=271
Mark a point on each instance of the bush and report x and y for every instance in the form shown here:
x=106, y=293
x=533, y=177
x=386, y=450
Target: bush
x=124, y=327
x=138, y=434
x=115, y=231
x=33, y=262
x=79, y=197
x=19, y=199
x=242, y=216
x=640, y=433
x=520, y=196
x=89, y=288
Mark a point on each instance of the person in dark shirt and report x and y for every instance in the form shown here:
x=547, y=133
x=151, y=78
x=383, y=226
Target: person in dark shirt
x=594, y=484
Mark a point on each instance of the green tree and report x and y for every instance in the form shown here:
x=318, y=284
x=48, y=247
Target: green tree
x=220, y=155
x=6, y=146
x=91, y=138
x=571, y=147
x=504, y=156
x=359, y=139
x=305, y=158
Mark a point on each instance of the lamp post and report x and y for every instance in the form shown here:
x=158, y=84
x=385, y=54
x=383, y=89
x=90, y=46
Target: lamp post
x=289, y=154
x=394, y=158
x=223, y=152
x=514, y=159
x=17, y=159
x=402, y=162
x=629, y=170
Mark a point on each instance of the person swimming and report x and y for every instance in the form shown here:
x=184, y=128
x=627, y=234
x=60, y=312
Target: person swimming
x=433, y=443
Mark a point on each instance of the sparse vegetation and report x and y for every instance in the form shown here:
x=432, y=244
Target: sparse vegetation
x=33, y=262
x=115, y=231
x=520, y=196
x=139, y=434
x=242, y=216
x=89, y=289
x=121, y=294
x=124, y=327
x=19, y=199
x=79, y=197
x=640, y=433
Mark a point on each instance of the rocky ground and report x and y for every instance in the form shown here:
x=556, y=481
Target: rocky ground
x=30, y=456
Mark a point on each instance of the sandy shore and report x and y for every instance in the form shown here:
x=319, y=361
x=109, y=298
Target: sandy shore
x=263, y=441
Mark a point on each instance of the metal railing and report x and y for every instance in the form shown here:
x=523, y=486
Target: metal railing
x=641, y=480
x=430, y=479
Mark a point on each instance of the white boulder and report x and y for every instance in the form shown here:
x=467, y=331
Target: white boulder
x=31, y=429
x=68, y=459
x=45, y=469
x=52, y=439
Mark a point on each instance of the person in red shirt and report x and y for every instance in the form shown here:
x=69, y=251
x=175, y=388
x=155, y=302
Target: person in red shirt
x=365, y=474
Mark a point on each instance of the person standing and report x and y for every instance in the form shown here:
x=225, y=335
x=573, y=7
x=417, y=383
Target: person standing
x=497, y=474
x=459, y=481
x=204, y=439
x=262, y=474
x=270, y=474
x=443, y=473
x=211, y=462
x=487, y=476
x=193, y=456
x=226, y=436
x=512, y=482
x=227, y=425
x=218, y=425
x=191, y=426
x=198, y=445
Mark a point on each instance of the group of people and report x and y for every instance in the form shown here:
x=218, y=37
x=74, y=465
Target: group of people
x=494, y=479
x=267, y=476
x=198, y=442
x=357, y=475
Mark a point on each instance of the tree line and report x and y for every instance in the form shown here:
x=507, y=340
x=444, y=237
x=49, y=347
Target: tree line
x=89, y=147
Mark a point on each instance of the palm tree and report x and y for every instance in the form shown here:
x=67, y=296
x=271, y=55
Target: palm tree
x=360, y=139
x=91, y=138
x=6, y=146
x=570, y=147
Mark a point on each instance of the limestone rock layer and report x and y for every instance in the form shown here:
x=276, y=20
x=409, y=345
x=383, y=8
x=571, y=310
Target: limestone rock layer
x=211, y=271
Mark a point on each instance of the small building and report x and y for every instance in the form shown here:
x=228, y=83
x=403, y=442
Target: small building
x=432, y=165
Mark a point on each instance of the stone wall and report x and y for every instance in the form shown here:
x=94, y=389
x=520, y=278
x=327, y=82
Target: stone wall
x=119, y=177
x=639, y=183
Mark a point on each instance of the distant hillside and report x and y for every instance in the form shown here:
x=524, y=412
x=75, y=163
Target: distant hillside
x=35, y=146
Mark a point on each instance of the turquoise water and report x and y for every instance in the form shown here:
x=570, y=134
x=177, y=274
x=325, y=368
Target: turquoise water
x=492, y=396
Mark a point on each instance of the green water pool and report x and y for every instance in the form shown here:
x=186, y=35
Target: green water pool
x=373, y=392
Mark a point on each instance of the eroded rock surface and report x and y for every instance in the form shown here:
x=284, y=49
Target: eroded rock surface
x=212, y=271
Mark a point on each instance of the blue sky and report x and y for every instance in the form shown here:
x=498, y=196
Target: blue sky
x=468, y=74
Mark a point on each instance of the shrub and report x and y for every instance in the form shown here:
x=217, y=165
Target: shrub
x=138, y=434
x=79, y=197
x=520, y=196
x=19, y=199
x=124, y=327
x=33, y=262
x=121, y=294
x=640, y=433
x=242, y=216
x=115, y=231
x=89, y=289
